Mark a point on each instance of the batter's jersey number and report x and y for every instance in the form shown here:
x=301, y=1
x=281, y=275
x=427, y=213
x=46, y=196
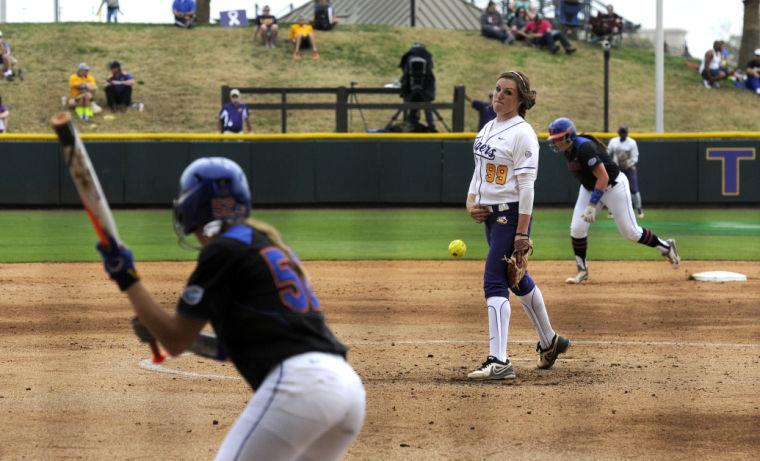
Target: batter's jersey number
x=496, y=173
x=295, y=292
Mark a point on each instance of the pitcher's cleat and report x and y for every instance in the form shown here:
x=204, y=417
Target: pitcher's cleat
x=546, y=358
x=581, y=276
x=672, y=254
x=493, y=369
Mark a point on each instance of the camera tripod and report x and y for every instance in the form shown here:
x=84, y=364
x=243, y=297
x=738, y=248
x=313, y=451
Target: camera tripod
x=433, y=111
x=353, y=98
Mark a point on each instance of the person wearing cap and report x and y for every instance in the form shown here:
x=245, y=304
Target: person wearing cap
x=753, y=73
x=82, y=89
x=266, y=25
x=625, y=152
x=118, y=88
x=184, y=13
x=233, y=115
x=7, y=60
x=302, y=35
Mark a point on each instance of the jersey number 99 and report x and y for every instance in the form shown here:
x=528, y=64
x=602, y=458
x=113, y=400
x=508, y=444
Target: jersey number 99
x=295, y=292
x=496, y=173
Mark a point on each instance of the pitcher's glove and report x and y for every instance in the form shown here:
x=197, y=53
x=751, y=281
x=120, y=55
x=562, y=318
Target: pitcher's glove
x=517, y=264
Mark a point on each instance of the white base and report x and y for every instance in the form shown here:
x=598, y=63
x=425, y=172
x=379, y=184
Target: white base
x=718, y=276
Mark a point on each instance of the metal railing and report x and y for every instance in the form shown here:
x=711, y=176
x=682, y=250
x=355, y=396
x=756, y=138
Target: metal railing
x=345, y=101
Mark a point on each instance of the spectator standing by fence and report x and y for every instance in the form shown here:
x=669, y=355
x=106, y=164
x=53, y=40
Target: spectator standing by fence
x=233, y=115
x=4, y=113
x=484, y=108
x=119, y=88
x=184, y=13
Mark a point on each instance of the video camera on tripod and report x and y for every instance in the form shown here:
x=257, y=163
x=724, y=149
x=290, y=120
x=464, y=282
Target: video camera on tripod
x=417, y=85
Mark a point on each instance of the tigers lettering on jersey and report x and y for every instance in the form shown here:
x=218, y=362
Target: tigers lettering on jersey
x=482, y=149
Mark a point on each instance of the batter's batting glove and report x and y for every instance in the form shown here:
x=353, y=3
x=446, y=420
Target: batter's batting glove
x=141, y=332
x=589, y=214
x=118, y=263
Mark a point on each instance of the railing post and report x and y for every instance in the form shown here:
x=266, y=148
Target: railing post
x=341, y=110
x=283, y=112
x=457, y=114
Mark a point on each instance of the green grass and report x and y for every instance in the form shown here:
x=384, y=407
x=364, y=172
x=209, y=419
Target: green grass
x=58, y=236
x=180, y=73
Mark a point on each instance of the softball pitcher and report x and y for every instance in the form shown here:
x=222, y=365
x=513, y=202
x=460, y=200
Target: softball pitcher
x=308, y=402
x=625, y=153
x=501, y=196
x=601, y=185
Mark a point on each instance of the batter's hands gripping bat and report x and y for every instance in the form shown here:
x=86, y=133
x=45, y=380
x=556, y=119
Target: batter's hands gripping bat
x=88, y=186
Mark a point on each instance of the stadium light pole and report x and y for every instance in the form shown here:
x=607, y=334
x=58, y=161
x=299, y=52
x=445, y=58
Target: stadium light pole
x=412, y=12
x=56, y=11
x=2, y=11
x=659, y=72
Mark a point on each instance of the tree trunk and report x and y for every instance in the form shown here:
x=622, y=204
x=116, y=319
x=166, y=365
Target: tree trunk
x=750, y=32
x=203, y=11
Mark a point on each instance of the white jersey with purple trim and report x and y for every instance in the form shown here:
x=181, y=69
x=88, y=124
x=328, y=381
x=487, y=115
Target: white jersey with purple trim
x=502, y=151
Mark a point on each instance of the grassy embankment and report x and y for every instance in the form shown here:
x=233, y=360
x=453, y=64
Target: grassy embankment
x=726, y=234
x=180, y=72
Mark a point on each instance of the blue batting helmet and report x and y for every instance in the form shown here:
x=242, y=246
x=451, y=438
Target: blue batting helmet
x=210, y=189
x=561, y=129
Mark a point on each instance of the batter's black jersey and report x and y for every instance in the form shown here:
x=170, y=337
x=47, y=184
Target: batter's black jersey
x=262, y=309
x=583, y=157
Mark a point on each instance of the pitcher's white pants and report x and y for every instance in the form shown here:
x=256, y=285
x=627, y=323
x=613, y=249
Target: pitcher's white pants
x=617, y=199
x=310, y=407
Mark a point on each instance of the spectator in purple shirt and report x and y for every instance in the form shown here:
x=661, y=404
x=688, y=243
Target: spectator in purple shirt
x=3, y=117
x=119, y=88
x=233, y=115
x=484, y=108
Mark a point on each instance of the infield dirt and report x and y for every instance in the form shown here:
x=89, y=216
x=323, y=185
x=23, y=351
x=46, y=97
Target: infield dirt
x=660, y=367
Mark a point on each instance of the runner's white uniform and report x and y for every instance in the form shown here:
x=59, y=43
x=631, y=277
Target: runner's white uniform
x=503, y=151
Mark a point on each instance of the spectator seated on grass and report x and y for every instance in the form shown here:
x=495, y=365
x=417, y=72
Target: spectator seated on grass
x=82, y=89
x=302, y=36
x=517, y=24
x=606, y=25
x=492, y=25
x=119, y=88
x=266, y=27
x=7, y=61
x=184, y=13
x=324, y=16
x=233, y=115
x=4, y=113
x=752, y=71
x=539, y=32
x=711, y=68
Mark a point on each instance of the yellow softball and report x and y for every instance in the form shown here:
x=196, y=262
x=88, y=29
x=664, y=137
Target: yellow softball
x=457, y=248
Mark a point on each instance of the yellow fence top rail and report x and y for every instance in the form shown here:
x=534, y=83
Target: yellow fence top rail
x=349, y=136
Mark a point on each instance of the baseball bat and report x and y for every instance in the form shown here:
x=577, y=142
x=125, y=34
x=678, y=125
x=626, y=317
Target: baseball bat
x=90, y=192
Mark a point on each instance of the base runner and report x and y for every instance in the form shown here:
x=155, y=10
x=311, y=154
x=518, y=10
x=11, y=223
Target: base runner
x=308, y=402
x=601, y=185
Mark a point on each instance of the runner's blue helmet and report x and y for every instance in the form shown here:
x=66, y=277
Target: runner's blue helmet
x=211, y=189
x=561, y=129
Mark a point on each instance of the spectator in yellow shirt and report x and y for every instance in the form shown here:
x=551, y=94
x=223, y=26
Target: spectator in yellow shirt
x=302, y=35
x=82, y=89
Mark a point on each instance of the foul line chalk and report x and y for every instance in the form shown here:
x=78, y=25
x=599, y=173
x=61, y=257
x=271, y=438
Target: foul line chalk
x=148, y=364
